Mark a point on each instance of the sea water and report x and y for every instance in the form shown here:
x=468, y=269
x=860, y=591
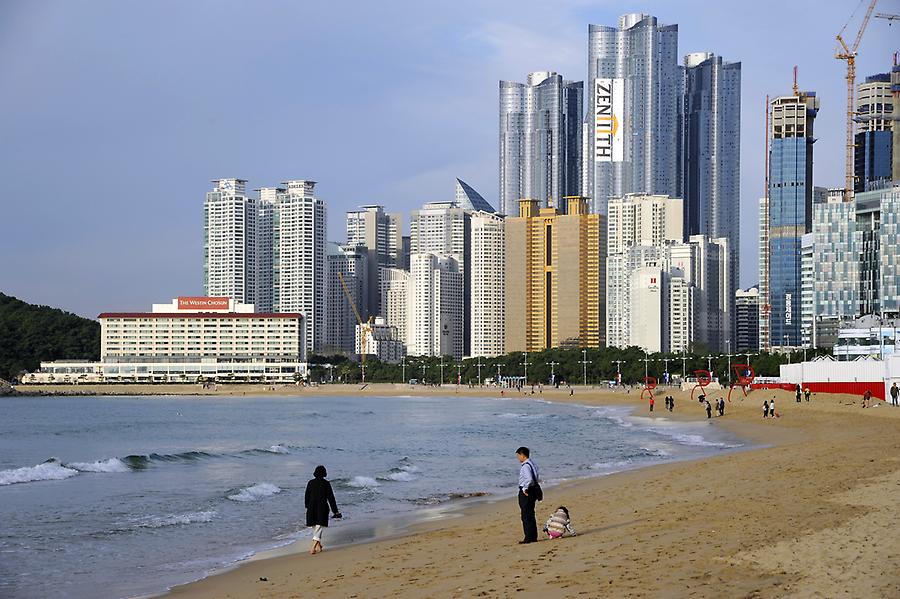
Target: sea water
x=122, y=496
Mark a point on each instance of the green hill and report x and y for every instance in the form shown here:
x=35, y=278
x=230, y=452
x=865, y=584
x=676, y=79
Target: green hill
x=30, y=334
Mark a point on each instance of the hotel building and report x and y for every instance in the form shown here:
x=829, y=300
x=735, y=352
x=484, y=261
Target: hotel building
x=193, y=339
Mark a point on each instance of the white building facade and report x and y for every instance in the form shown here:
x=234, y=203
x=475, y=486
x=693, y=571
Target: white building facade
x=487, y=286
x=435, y=298
x=230, y=264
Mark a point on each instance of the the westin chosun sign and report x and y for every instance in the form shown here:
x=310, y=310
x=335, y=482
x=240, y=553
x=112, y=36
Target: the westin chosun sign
x=202, y=303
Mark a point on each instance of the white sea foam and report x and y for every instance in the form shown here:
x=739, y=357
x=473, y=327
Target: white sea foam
x=609, y=465
x=521, y=416
x=176, y=519
x=255, y=492
x=278, y=449
x=409, y=468
x=401, y=476
x=110, y=465
x=363, y=482
x=49, y=470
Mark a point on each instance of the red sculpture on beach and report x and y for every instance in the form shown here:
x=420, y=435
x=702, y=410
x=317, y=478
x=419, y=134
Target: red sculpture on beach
x=649, y=386
x=745, y=375
x=704, y=377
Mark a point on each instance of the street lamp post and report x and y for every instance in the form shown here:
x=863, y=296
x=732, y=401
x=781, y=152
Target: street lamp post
x=403, y=370
x=728, y=354
x=646, y=360
x=423, y=371
x=683, y=361
x=479, y=371
x=458, y=375
x=552, y=371
x=618, y=364
x=584, y=363
x=441, y=384
x=709, y=364
x=666, y=369
x=499, y=365
x=525, y=364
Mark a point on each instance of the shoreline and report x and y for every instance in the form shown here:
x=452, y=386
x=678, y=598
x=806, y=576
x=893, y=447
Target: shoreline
x=398, y=526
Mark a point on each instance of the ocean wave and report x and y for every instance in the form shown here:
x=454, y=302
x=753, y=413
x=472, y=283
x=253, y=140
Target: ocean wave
x=609, y=465
x=363, y=482
x=176, y=519
x=139, y=462
x=255, y=492
x=438, y=499
x=521, y=416
x=277, y=449
x=401, y=476
x=692, y=439
x=110, y=465
x=52, y=469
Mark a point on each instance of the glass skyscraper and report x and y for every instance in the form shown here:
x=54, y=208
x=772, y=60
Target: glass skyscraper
x=790, y=210
x=710, y=160
x=874, y=139
x=632, y=120
x=540, y=140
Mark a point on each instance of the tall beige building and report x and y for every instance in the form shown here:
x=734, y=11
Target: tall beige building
x=555, y=262
x=487, y=284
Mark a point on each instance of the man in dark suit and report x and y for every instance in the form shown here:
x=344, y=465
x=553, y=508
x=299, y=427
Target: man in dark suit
x=528, y=479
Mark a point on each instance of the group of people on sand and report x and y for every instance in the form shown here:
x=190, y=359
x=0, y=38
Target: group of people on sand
x=769, y=409
x=320, y=497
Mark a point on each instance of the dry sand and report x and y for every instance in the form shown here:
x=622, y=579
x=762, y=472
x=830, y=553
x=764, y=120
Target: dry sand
x=814, y=514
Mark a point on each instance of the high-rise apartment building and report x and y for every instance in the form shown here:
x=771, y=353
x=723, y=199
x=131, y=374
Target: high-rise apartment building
x=711, y=151
x=435, y=306
x=350, y=263
x=487, y=276
x=540, y=140
x=747, y=319
x=394, y=299
x=381, y=234
x=649, y=298
x=633, y=100
x=298, y=257
x=230, y=266
x=790, y=210
x=445, y=228
x=878, y=242
x=265, y=235
x=554, y=277
x=638, y=226
x=834, y=258
x=875, y=112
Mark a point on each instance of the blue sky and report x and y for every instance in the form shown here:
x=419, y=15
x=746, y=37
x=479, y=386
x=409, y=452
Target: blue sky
x=116, y=114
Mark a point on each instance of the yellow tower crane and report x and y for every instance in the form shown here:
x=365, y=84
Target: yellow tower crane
x=849, y=54
x=365, y=329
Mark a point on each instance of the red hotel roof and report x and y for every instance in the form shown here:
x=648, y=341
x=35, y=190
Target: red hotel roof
x=200, y=315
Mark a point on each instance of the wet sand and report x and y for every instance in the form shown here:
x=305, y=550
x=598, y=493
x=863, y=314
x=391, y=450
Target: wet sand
x=813, y=514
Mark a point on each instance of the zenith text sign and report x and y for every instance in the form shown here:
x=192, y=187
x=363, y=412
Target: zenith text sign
x=609, y=99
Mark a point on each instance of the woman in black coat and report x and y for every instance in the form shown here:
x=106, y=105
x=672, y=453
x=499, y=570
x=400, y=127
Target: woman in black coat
x=318, y=497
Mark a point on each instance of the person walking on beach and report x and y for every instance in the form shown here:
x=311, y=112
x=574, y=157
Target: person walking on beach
x=528, y=494
x=708, y=409
x=765, y=409
x=319, y=496
x=772, y=408
x=798, y=392
x=895, y=393
x=806, y=393
x=651, y=403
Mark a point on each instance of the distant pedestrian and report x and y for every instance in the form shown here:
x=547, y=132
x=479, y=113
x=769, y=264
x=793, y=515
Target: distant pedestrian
x=529, y=493
x=798, y=393
x=708, y=410
x=765, y=409
x=651, y=403
x=867, y=398
x=772, y=408
x=571, y=391
x=806, y=393
x=721, y=406
x=672, y=403
x=319, y=496
x=895, y=393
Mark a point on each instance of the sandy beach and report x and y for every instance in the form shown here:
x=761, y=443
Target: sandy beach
x=811, y=514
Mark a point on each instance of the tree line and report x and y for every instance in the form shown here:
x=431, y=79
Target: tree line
x=30, y=334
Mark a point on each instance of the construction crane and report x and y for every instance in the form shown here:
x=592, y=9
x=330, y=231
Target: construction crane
x=888, y=17
x=849, y=54
x=365, y=328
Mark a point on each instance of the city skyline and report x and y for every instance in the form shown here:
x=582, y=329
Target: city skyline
x=130, y=138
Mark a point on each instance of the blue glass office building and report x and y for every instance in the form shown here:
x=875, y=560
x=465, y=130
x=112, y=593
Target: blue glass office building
x=790, y=210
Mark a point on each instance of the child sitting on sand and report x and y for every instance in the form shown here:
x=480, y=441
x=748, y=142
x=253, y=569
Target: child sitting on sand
x=559, y=524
